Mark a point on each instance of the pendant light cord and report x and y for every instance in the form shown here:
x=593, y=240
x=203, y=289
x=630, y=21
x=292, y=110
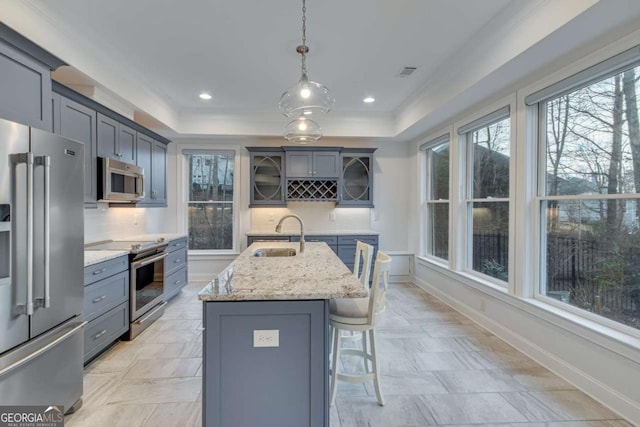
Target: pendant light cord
x=304, y=38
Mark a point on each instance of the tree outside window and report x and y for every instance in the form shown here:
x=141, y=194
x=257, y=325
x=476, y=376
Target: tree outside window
x=210, y=202
x=590, y=198
x=488, y=159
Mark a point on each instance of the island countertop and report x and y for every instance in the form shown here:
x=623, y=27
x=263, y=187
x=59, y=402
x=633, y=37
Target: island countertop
x=317, y=273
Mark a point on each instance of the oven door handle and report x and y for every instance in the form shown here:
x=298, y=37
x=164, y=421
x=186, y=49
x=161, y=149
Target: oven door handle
x=147, y=261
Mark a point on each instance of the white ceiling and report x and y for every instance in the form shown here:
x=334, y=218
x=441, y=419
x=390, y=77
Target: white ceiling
x=158, y=55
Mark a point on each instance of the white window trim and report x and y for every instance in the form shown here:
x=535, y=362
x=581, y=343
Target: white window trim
x=612, y=335
x=182, y=193
x=529, y=128
x=430, y=140
x=458, y=207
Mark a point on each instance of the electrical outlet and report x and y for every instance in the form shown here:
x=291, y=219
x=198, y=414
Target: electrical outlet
x=332, y=216
x=483, y=305
x=266, y=338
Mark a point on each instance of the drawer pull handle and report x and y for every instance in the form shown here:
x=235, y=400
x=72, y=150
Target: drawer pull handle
x=177, y=261
x=102, y=270
x=177, y=281
x=100, y=298
x=99, y=334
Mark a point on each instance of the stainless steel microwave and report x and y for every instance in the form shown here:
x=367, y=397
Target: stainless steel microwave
x=119, y=182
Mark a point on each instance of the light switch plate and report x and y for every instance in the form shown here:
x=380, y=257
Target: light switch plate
x=266, y=338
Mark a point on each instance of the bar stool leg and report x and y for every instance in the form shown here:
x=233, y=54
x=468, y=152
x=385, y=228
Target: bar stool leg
x=334, y=365
x=376, y=378
x=364, y=352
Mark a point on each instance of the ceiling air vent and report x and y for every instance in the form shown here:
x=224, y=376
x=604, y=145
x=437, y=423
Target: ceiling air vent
x=407, y=71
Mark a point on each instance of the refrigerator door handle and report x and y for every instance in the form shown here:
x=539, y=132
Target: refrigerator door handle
x=28, y=159
x=57, y=340
x=45, y=161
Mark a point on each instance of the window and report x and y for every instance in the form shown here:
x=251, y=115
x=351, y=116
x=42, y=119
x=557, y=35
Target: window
x=589, y=191
x=210, y=199
x=487, y=194
x=437, y=197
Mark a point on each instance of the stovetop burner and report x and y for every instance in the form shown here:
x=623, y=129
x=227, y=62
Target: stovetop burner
x=133, y=246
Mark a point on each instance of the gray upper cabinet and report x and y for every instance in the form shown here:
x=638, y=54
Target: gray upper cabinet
x=356, y=181
x=151, y=155
x=108, y=131
x=75, y=121
x=144, y=160
x=127, y=141
x=116, y=140
x=25, y=89
x=312, y=164
x=159, y=174
x=267, y=177
x=107, y=134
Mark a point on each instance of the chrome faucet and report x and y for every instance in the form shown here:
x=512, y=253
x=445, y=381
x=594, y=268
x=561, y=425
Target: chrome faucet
x=279, y=228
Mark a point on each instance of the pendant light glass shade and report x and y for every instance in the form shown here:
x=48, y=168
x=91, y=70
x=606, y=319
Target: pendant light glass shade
x=302, y=130
x=306, y=97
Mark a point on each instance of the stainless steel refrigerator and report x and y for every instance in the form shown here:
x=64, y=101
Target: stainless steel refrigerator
x=41, y=267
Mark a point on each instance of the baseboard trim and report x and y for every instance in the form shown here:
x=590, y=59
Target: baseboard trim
x=604, y=394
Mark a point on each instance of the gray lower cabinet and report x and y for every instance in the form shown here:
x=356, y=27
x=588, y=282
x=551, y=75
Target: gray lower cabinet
x=25, y=88
x=175, y=267
x=75, y=121
x=106, y=304
x=248, y=385
x=347, y=249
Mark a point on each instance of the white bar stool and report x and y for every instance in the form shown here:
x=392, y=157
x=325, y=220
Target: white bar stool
x=360, y=314
x=364, y=254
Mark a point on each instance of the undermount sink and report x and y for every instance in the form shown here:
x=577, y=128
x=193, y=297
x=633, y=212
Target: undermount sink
x=274, y=252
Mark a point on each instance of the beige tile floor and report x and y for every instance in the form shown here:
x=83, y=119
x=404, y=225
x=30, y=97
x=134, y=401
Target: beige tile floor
x=438, y=368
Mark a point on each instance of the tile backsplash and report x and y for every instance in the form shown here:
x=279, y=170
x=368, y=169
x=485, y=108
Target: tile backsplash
x=107, y=223
x=318, y=217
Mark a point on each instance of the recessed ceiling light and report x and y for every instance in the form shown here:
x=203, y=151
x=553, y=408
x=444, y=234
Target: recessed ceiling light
x=205, y=96
x=369, y=99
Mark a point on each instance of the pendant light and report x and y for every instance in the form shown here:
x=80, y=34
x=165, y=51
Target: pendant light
x=306, y=97
x=303, y=131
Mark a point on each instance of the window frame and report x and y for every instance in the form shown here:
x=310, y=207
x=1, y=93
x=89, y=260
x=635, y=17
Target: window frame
x=497, y=112
x=183, y=193
x=428, y=200
x=535, y=105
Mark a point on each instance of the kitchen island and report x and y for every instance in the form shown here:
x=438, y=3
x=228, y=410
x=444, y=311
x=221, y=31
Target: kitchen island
x=266, y=323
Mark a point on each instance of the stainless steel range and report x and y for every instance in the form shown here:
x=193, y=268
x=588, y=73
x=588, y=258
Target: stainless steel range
x=146, y=285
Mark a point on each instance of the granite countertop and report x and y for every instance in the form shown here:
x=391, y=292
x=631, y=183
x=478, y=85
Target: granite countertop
x=94, y=257
x=314, y=233
x=317, y=273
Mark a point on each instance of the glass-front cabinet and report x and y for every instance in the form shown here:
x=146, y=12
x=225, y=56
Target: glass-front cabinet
x=356, y=182
x=267, y=176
